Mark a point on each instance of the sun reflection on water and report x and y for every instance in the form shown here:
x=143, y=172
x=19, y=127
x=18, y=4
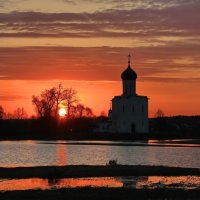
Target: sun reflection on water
x=61, y=151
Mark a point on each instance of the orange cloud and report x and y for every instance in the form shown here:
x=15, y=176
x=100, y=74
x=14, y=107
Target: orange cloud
x=87, y=50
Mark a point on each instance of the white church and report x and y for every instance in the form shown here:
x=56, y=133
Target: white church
x=129, y=111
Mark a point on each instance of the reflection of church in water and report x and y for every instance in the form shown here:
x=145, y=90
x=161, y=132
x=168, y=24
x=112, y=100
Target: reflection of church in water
x=129, y=113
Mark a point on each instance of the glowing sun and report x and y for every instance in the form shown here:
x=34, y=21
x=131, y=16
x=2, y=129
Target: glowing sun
x=62, y=112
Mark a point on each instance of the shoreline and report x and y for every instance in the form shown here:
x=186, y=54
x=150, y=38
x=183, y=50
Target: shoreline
x=97, y=193
x=153, y=143
x=145, y=143
x=78, y=171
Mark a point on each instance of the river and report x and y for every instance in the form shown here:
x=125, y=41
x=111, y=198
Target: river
x=47, y=153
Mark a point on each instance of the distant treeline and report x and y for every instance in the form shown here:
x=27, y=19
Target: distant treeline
x=82, y=128
x=175, y=126
x=44, y=128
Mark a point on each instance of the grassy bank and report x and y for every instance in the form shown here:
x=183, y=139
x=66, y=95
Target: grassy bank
x=94, y=171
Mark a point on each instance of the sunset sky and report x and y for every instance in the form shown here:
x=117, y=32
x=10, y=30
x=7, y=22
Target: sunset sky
x=84, y=44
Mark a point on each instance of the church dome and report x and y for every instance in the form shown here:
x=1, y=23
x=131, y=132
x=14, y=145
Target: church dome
x=128, y=74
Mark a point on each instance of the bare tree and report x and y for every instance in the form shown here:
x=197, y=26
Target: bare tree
x=80, y=108
x=89, y=112
x=20, y=113
x=69, y=99
x=160, y=121
x=80, y=111
x=8, y=115
x=66, y=97
x=48, y=99
x=159, y=113
x=1, y=112
x=39, y=105
x=47, y=104
x=58, y=95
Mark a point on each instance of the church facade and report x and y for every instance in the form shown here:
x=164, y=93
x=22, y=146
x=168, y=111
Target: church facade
x=129, y=112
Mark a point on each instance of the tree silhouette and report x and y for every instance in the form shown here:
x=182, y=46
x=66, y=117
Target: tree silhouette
x=47, y=104
x=89, y=112
x=160, y=123
x=58, y=98
x=69, y=100
x=20, y=113
x=80, y=111
x=159, y=113
x=1, y=112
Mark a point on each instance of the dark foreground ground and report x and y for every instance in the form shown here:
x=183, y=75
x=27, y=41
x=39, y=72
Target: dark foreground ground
x=101, y=194
x=98, y=193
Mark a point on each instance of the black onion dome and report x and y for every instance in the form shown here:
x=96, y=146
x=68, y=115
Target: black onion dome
x=128, y=74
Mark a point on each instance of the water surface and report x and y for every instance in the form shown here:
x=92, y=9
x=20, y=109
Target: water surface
x=150, y=182
x=44, y=153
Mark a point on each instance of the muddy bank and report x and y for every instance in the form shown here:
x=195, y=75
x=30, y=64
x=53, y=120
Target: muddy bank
x=102, y=193
x=94, y=171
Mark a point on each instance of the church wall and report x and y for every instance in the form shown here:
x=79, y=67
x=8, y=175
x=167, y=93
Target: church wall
x=130, y=114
